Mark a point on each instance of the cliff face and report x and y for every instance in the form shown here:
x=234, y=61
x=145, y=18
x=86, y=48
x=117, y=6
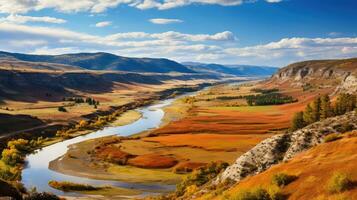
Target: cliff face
x=284, y=147
x=339, y=74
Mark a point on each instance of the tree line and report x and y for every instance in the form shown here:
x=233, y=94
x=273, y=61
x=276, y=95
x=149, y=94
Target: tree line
x=269, y=99
x=79, y=100
x=322, y=108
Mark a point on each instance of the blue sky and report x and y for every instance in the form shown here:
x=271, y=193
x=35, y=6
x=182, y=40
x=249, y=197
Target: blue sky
x=257, y=32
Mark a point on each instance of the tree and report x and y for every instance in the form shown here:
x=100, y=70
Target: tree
x=326, y=109
x=298, y=121
x=11, y=157
x=345, y=103
x=316, y=109
x=308, y=115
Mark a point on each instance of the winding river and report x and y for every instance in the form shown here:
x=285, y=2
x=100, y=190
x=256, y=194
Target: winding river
x=37, y=174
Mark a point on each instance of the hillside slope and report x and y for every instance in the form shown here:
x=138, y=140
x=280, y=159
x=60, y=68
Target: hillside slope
x=284, y=147
x=313, y=169
x=45, y=86
x=103, y=61
x=235, y=70
x=317, y=74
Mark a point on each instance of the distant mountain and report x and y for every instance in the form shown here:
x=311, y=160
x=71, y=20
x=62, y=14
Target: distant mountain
x=236, y=70
x=102, y=61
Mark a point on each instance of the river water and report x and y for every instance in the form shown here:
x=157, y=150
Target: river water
x=37, y=174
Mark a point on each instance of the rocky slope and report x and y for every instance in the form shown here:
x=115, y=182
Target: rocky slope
x=340, y=74
x=284, y=147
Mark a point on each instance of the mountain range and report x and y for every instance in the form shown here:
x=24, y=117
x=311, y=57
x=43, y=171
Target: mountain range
x=111, y=62
x=235, y=70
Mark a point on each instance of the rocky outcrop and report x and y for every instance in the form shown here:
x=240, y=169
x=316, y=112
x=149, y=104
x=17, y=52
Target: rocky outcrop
x=328, y=72
x=348, y=85
x=284, y=147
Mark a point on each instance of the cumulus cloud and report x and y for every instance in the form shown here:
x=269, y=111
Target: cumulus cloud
x=221, y=47
x=98, y=6
x=21, y=19
x=165, y=21
x=103, y=24
x=175, y=36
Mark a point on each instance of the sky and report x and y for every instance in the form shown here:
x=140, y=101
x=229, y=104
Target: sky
x=254, y=32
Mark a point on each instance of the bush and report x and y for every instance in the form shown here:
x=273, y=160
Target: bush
x=339, y=182
x=62, y=109
x=282, y=179
x=273, y=193
x=200, y=176
x=68, y=186
x=11, y=157
x=10, y=174
x=254, y=194
x=41, y=196
x=332, y=137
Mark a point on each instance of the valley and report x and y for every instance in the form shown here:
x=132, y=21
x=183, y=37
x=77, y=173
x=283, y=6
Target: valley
x=125, y=135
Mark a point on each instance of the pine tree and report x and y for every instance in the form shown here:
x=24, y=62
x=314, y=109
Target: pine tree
x=316, y=109
x=326, y=109
x=298, y=121
x=308, y=115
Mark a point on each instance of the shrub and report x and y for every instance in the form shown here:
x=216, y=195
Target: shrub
x=332, y=137
x=254, y=194
x=41, y=196
x=19, y=144
x=200, y=176
x=273, y=193
x=339, y=182
x=11, y=157
x=68, y=186
x=62, y=109
x=282, y=179
x=10, y=174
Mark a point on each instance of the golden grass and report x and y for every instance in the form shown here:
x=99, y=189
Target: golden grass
x=135, y=174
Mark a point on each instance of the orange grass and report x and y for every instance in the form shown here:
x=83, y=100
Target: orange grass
x=313, y=169
x=153, y=161
x=217, y=142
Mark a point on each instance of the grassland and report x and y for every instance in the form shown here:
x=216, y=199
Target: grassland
x=196, y=131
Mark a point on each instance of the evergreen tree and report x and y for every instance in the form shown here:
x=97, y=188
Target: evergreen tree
x=298, y=121
x=308, y=115
x=326, y=109
x=316, y=109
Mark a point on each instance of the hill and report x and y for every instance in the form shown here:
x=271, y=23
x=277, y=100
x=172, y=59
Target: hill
x=102, y=61
x=317, y=74
x=314, y=170
x=235, y=70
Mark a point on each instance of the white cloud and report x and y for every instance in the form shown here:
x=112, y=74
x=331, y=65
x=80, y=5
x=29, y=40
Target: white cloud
x=98, y=6
x=274, y=1
x=334, y=34
x=220, y=47
x=165, y=21
x=21, y=19
x=175, y=36
x=103, y=24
